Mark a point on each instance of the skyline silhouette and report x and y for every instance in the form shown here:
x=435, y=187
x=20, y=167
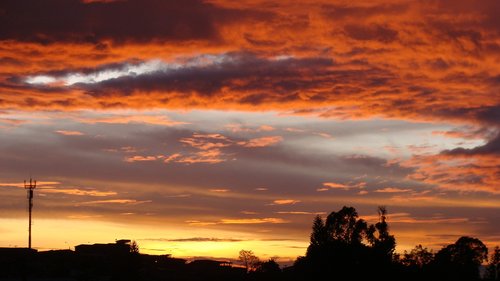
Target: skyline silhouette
x=341, y=245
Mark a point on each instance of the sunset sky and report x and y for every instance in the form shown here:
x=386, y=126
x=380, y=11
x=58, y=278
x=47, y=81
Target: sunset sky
x=199, y=128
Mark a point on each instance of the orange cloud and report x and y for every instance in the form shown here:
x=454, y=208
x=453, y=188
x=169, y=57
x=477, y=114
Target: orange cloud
x=212, y=156
x=239, y=221
x=238, y=128
x=300, y=213
x=261, y=142
x=172, y=157
x=335, y=185
x=210, y=136
x=79, y=192
x=392, y=190
x=199, y=223
x=139, y=158
x=220, y=190
x=211, y=147
x=115, y=201
x=266, y=128
x=69, y=133
x=252, y=221
x=211, y=141
x=285, y=201
x=204, y=142
x=467, y=173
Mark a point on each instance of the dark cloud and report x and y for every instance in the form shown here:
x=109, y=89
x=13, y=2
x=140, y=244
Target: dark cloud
x=119, y=21
x=492, y=147
x=353, y=11
x=371, y=32
x=486, y=12
x=439, y=64
x=258, y=42
x=11, y=61
x=488, y=115
x=238, y=71
x=242, y=79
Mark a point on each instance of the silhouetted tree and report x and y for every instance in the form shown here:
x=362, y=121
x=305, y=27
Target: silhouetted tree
x=319, y=235
x=461, y=260
x=378, y=235
x=382, y=245
x=249, y=260
x=335, y=246
x=134, y=247
x=344, y=246
x=345, y=227
x=270, y=266
x=418, y=257
x=494, y=265
x=415, y=264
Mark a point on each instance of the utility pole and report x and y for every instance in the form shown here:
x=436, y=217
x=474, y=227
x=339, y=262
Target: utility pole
x=30, y=188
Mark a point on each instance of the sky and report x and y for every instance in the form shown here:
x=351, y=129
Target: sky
x=200, y=128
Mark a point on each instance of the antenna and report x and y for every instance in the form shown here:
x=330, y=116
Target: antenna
x=30, y=188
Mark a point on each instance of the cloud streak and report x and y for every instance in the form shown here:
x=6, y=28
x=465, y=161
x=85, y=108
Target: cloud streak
x=285, y=201
x=195, y=239
x=69, y=133
x=78, y=192
x=115, y=201
x=238, y=221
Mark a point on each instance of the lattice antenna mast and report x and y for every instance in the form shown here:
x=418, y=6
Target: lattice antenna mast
x=30, y=188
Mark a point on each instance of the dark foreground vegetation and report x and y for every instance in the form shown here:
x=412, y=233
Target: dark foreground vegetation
x=342, y=247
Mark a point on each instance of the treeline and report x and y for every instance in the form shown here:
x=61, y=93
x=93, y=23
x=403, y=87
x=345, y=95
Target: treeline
x=345, y=247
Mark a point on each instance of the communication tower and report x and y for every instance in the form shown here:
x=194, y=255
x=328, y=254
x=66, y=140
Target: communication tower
x=30, y=188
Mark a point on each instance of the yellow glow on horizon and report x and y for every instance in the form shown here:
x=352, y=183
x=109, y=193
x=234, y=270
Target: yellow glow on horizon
x=189, y=241
x=66, y=234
